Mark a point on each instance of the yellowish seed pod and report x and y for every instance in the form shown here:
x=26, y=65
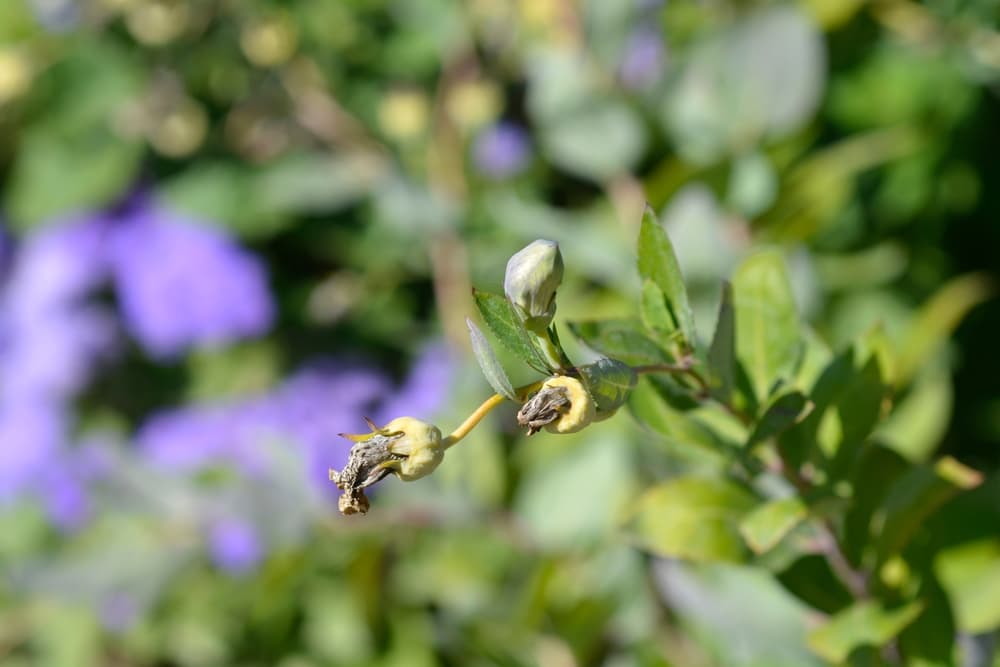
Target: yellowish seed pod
x=581, y=406
x=419, y=442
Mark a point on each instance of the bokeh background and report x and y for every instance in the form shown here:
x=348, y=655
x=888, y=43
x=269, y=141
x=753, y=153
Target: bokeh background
x=232, y=229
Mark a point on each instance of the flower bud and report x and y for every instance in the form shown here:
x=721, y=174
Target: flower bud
x=562, y=405
x=530, y=283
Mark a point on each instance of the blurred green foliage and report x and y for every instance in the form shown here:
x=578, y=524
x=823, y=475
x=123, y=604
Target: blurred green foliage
x=340, y=139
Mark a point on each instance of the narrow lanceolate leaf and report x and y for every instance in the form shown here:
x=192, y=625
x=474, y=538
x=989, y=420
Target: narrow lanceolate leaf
x=505, y=324
x=784, y=412
x=656, y=317
x=695, y=518
x=487, y=359
x=722, y=353
x=658, y=262
x=767, y=325
x=764, y=527
x=862, y=624
x=620, y=339
x=938, y=318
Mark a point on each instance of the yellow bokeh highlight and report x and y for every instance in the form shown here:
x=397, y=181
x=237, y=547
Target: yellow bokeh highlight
x=404, y=114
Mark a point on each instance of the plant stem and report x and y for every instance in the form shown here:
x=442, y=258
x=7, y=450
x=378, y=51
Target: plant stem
x=477, y=416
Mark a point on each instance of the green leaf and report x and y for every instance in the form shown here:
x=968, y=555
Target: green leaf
x=767, y=325
x=970, y=573
x=609, y=383
x=874, y=475
x=656, y=315
x=811, y=580
x=695, y=518
x=506, y=325
x=937, y=319
x=764, y=527
x=848, y=398
x=53, y=175
x=930, y=640
x=658, y=262
x=722, y=352
x=859, y=408
x=915, y=497
x=620, y=339
x=680, y=429
x=784, y=412
x=487, y=359
x=862, y=624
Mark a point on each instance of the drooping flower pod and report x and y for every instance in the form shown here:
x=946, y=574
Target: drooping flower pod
x=533, y=275
x=406, y=447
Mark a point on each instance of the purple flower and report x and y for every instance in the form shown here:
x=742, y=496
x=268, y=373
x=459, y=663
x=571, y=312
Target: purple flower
x=424, y=390
x=181, y=284
x=235, y=546
x=50, y=338
x=643, y=59
x=31, y=435
x=502, y=150
x=308, y=411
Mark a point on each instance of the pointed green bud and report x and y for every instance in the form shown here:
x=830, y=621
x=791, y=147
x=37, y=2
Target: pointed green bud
x=530, y=283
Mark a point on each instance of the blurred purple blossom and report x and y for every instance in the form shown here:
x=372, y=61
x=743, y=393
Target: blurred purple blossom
x=643, y=59
x=308, y=411
x=502, y=150
x=182, y=284
x=234, y=545
x=31, y=435
x=50, y=337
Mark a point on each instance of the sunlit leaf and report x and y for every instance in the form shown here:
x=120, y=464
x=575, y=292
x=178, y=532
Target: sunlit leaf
x=766, y=525
x=862, y=624
x=620, y=339
x=487, y=359
x=767, y=324
x=656, y=315
x=658, y=262
x=678, y=428
x=970, y=573
x=694, y=518
x=938, y=318
x=505, y=324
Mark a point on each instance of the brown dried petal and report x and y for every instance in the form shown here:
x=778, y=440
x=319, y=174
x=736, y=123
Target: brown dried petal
x=543, y=408
x=364, y=468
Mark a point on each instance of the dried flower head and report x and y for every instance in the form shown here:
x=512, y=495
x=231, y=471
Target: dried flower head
x=562, y=405
x=406, y=447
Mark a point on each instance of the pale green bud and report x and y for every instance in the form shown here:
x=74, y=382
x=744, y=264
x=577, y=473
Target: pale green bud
x=530, y=283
